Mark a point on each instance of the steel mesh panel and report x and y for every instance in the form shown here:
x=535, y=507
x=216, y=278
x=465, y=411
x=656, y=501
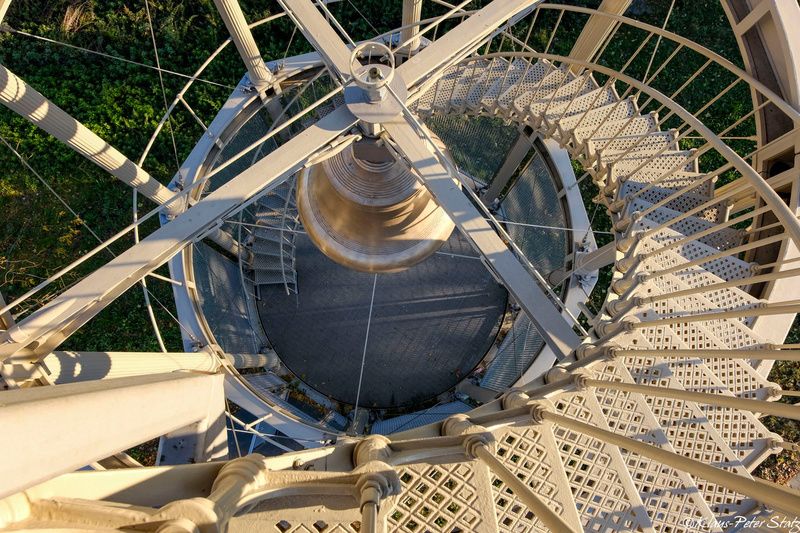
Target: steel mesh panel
x=252, y=130
x=431, y=324
x=517, y=351
x=222, y=301
x=533, y=199
x=478, y=145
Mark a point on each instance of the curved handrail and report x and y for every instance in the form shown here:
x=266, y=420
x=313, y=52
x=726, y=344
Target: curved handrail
x=284, y=76
x=782, y=104
x=767, y=193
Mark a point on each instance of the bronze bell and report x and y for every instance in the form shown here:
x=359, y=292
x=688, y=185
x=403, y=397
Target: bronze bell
x=367, y=211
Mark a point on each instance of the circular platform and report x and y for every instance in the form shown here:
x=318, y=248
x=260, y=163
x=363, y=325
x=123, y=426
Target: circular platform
x=430, y=325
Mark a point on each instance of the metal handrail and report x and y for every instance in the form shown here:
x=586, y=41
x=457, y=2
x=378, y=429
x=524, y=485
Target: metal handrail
x=490, y=217
x=758, y=183
x=180, y=195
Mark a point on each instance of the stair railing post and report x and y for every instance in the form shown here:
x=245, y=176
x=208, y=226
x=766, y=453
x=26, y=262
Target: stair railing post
x=480, y=445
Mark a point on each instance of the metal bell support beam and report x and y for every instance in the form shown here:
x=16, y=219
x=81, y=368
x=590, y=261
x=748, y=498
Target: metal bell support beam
x=24, y=100
x=78, y=429
x=50, y=325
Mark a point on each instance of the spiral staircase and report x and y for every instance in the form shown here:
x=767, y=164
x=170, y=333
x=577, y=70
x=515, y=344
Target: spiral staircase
x=650, y=421
x=272, y=257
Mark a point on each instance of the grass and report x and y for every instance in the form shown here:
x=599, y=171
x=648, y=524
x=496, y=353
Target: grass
x=123, y=103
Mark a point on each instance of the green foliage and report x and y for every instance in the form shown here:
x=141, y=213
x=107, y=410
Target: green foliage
x=124, y=103
x=786, y=465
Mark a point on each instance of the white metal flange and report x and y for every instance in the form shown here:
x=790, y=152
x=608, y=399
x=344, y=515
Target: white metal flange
x=368, y=96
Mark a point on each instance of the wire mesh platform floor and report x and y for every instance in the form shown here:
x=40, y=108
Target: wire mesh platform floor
x=430, y=325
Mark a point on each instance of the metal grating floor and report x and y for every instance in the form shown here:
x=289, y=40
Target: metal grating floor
x=431, y=325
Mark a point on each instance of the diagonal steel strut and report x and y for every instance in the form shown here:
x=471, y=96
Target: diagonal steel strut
x=554, y=328
x=48, y=326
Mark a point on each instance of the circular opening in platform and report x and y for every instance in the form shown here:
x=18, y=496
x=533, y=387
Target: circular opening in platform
x=417, y=335
x=431, y=326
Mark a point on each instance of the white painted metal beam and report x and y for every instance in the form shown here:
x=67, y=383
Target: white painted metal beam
x=6, y=320
x=201, y=441
x=4, y=4
x=586, y=263
x=596, y=30
x=242, y=37
x=86, y=422
x=514, y=158
x=320, y=34
x=72, y=367
x=461, y=40
x=24, y=100
x=412, y=13
x=555, y=330
x=43, y=330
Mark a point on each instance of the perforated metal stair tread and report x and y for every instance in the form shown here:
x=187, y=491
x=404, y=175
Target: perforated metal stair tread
x=580, y=107
x=270, y=262
x=723, y=300
x=686, y=426
x=473, y=72
x=590, y=111
x=531, y=453
x=746, y=436
x=443, y=90
x=501, y=83
x=563, y=95
x=726, y=267
x=443, y=497
x=547, y=85
x=530, y=78
x=670, y=496
x=696, y=276
x=657, y=177
x=737, y=374
x=666, y=163
x=491, y=75
x=684, y=203
x=275, y=235
x=651, y=143
x=604, y=491
x=263, y=277
x=634, y=126
x=722, y=239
